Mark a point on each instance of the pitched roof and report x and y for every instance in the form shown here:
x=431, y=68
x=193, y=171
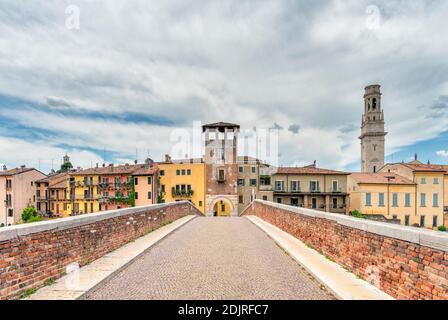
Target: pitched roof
x=427, y=167
x=53, y=178
x=309, y=171
x=15, y=171
x=220, y=125
x=112, y=170
x=380, y=178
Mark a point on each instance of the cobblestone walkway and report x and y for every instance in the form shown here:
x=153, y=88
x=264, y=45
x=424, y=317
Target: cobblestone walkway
x=213, y=258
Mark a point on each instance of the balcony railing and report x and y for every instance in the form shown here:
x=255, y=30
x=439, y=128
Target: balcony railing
x=182, y=193
x=315, y=190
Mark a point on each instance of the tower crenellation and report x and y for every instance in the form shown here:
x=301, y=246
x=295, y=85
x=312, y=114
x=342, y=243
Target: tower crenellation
x=372, y=130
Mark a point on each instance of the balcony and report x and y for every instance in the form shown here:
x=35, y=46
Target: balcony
x=336, y=190
x=181, y=193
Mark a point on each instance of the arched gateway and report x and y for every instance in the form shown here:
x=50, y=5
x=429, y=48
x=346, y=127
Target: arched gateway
x=222, y=207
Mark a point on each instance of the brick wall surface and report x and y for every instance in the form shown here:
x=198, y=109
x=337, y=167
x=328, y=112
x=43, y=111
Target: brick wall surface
x=406, y=269
x=32, y=254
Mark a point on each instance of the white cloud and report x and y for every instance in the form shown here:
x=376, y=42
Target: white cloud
x=442, y=153
x=285, y=62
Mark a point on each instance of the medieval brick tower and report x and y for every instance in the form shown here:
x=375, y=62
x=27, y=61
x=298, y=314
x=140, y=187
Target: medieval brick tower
x=372, y=131
x=221, y=169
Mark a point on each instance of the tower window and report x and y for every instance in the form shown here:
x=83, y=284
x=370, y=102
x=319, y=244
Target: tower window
x=374, y=169
x=373, y=104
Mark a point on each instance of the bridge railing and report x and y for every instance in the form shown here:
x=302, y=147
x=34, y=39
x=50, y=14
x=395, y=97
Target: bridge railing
x=32, y=254
x=405, y=262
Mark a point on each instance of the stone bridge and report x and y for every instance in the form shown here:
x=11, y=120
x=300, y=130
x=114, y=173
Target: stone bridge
x=171, y=251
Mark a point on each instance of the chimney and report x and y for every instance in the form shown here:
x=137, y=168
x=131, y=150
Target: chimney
x=97, y=164
x=167, y=158
x=135, y=161
x=429, y=162
x=104, y=165
x=314, y=163
x=22, y=166
x=415, y=157
x=5, y=168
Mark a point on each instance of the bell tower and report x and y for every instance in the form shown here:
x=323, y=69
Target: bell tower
x=372, y=130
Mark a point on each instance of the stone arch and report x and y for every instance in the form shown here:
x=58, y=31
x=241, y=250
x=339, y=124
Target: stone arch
x=228, y=202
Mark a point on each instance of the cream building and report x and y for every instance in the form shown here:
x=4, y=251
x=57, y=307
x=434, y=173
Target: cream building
x=17, y=191
x=312, y=188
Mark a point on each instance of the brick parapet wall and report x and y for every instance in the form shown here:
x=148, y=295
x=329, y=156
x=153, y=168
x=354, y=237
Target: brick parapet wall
x=412, y=263
x=31, y=254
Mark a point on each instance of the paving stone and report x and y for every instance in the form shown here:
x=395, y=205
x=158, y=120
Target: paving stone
x=213, y=258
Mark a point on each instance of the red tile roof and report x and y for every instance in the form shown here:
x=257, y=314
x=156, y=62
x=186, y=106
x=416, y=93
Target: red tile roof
x=308, y=170
x=380, y=178
x=428, y=167
x=114, y=170
x=15, y=171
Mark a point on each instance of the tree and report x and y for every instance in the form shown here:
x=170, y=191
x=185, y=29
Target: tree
x=65, y=167
x=29, y=214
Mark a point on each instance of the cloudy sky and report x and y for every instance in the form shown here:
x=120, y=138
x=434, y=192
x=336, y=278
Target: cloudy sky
x=136, y=70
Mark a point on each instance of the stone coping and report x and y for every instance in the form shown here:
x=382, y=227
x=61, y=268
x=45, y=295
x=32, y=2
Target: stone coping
x=424, y=237
x=12, y=232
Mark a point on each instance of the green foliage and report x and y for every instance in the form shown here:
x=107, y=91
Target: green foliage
x=2, y=225
x=27, y=293
x=161, y=194
x=49, y=282
x=65, y=167
x=29, y=214
x=442, y=228
x=358, y=214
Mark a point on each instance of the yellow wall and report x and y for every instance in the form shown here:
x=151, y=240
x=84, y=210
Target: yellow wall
x=169, y=179
x=79, y=195
x=358, y=201
x=429, y=188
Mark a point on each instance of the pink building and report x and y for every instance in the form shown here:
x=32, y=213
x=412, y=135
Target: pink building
x=17, y=191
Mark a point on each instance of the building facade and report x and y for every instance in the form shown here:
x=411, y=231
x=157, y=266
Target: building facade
x=51, y=195
x=384, y=196
x=311, y=187
x=182, y=180
x=430, y=191
x=17, y=191
x=372, y=131
x=221, y=169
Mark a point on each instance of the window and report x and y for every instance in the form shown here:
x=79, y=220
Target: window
x=177, y=172
x=314, y=186
x=162, y=172
x=240, y=199
x=10, y=212
x=279, y=200
x=32, y=183
x=253, y=182
x=422, y=221
x=221, y=135
x=230, y=135
x=279, y=185
x=334, y=186
x=254, y=169
x=149, y=180
x=394, y=199
x=436, y=181
x=265, y=180
x=85, y=208
x=221, y=175
x=136, y=195
x=423, y=200
x=395, y=217
x=314, y=203
x=435, y=200
x=381, y=200
x=91, y=208
x=212, y=135
x=406, y=220
x=368, y=199
x=136, y=181
x=407, y=200
x=183, y=172
x=162, y=188
x=335, y=203
x=295, y=186
x=200, y=203
x=434, y=222
x=265, y=198
x=188, y=172
x=240, y=169
x=220, y=154
x=374, y=169
x=423, y=180
x=149, y=195
x=241, y=182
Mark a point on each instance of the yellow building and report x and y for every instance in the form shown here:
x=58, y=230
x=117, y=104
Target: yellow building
x=183, y=180
x=82, y=192
x=384, y=195
x=430, y=196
